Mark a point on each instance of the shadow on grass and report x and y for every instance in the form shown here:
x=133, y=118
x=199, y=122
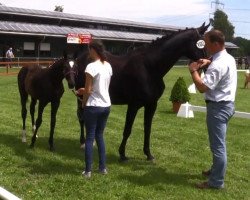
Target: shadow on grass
x=167, y=111
x=40, y=159
x=69, y=159
x=158, y=175
x=146, y=173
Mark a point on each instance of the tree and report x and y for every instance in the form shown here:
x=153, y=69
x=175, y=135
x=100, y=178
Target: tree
x=222, y=23
x=59, y=8
x=244, y=45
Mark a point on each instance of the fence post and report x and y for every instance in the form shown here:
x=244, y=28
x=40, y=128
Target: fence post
x=7, y=69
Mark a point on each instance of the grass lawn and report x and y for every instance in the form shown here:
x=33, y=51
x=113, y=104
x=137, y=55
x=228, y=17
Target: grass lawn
x=179, y=145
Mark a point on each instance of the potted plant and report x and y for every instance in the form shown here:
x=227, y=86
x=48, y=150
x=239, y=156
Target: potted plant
x=179, y=94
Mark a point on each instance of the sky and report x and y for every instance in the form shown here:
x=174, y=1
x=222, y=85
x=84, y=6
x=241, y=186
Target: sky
x=184, y=13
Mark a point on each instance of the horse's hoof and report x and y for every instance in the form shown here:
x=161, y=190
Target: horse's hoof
x=150, y=158
x=82, y=146
x=31, y=146
x=123, y=159
x=52, y=149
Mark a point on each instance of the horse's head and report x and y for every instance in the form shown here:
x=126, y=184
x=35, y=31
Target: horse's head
x=69, y=71
x=195, y=45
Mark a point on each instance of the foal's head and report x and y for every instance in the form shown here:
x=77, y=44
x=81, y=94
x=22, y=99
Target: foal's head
x=69, y=71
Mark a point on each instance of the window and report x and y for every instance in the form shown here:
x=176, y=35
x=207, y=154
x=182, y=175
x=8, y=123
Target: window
x=29, y=46
x=45, y=50
x=45, y=47
x=29, y=49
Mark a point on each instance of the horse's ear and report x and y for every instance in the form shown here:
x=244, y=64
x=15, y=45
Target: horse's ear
x=203, y=28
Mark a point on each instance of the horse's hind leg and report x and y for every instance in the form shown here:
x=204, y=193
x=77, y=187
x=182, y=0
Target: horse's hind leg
x=148, y=117
x=24, y=97
x=38, y=121
x=130, y=117
x=54, y=108
x=32, y=113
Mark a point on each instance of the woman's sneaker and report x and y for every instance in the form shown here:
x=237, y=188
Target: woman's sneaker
x=86, y=174
x=103, y=171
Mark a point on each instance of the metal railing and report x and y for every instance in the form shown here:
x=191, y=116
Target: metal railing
x=19, y=62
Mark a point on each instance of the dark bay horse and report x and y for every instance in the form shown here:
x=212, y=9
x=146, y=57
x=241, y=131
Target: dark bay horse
x=138, y=78
x=45, y=85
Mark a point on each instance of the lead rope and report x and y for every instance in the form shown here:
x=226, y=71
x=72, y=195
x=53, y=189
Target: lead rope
x=74, y=92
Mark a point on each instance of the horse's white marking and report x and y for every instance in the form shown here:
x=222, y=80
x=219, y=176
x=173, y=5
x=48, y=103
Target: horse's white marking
x=71, y=63
x=82, y=146
x=24, y=136
x=200, y=44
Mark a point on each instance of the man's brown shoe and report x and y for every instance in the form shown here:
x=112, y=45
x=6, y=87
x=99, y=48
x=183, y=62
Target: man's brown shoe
x=205, y=185
x=206, y=173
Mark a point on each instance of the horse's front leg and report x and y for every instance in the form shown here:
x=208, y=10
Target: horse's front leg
x=38, y=121
x=148, y=117
x=130, y=117
x=54, y=109
x=81, y=122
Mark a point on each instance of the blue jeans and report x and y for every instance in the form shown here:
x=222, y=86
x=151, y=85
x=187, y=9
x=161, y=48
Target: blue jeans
x=218, y=115
x=95, y=121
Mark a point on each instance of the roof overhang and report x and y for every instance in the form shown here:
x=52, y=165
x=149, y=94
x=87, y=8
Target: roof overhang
x=17, y=28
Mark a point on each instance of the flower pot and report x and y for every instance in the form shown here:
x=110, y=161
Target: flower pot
x=176, y=106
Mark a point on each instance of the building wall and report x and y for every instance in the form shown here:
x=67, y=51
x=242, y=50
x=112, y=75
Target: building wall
x=58, y=45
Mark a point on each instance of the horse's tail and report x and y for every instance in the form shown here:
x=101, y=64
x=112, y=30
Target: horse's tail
x=21, y=84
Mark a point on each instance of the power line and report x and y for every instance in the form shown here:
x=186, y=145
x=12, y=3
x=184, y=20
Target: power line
x=240, y=9
x=245, y=22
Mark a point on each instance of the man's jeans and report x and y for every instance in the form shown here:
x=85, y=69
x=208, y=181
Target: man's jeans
x=95, y=121
x=218, y=115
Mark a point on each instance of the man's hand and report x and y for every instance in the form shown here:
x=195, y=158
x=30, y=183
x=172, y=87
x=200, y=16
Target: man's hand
x=194, y=66
x=204, y=62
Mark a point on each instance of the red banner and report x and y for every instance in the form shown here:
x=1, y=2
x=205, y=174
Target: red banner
x=85, y=38
x=74, y=38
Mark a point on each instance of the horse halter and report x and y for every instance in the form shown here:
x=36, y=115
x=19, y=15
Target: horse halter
x=200, y=44
x=72, y=69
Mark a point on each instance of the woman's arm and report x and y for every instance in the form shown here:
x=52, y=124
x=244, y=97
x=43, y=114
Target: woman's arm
x=85, y=92
x=88, y=88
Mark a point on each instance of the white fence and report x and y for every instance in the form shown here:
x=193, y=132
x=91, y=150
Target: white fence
x=4, y=194
x=187, y=111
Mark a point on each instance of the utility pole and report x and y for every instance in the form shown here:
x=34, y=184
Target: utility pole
x=217, y=4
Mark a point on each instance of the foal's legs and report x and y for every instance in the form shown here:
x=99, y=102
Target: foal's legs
x=148, y=117
x=54, y=108
x=24, y=97
x=81, y=122
x=32, y=113
x=38, y=121
x=130, y=117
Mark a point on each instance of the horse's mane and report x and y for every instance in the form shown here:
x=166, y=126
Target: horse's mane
x=153, y=43
x=168, y=36
x=158, y=41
